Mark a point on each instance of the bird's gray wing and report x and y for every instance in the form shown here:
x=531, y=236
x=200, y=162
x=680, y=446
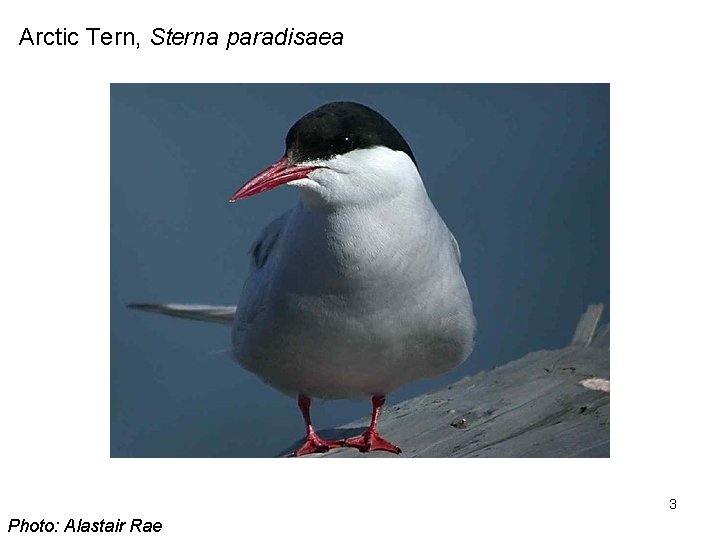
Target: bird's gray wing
x=198, y=312
x=253, y=294
x=262, y=253
x=262, y=248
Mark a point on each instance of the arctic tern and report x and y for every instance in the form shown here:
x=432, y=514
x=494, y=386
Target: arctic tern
x=355, y=291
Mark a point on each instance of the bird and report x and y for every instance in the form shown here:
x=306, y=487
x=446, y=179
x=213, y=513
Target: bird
x=355, y=291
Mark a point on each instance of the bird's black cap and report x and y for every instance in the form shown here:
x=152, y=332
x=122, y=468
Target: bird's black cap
x=339, y=127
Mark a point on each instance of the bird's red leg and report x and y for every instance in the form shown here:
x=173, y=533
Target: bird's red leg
x=313, y=442
x=370, y=440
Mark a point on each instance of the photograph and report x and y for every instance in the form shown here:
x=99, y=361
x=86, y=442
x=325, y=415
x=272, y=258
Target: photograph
x=360, y=270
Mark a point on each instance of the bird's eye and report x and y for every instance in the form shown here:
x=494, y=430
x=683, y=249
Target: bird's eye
x=344, y=143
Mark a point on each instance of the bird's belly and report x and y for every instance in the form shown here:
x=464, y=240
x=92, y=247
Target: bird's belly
x=337, y=346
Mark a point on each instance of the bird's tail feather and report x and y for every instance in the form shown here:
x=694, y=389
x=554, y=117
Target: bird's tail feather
x=198, y=312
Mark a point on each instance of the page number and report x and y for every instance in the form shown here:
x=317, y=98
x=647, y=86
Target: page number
x=673, y=504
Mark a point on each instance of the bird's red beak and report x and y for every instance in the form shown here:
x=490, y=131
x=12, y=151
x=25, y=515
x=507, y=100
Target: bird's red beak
x=279, y=173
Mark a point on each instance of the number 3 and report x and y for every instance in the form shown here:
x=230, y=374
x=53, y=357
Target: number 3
x=673, y=504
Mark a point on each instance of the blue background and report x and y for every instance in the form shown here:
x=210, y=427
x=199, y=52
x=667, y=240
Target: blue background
x=520, y=173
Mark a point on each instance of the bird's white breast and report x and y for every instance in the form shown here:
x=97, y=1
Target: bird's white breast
x=356, y=301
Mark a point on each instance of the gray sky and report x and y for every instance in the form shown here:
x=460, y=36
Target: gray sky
x=520, y=173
